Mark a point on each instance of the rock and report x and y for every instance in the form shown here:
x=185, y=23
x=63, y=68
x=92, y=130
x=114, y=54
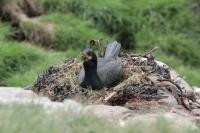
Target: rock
x=110, y=112
x=177, y=117
x=181, y=81
x=196, y=112
x=11, y=95
x=176, y=77
x=10, y=92
x=169, y=100
x=196, y=89
x=72, y=105
x=175, y=120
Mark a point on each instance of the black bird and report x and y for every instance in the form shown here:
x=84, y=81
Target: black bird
x=101, y=72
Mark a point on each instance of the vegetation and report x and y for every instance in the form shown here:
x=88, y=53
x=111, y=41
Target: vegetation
x=71, y=32
x=33, y=119
x=172, y=25
x=62, y=28
x=19, y=60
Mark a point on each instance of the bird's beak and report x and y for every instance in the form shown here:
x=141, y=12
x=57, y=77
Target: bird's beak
x=86, y=57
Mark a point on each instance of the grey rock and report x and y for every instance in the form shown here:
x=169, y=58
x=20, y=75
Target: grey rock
x=11, y=95
x=169, y=100
x=110, y=112
x=175, y=120
x=177, y=117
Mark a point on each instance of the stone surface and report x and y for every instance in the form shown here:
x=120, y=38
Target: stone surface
x=176, y=120
x=122, y=115
x=181, y=81
x=169, y=100
x=9, y=95
x=110, y=112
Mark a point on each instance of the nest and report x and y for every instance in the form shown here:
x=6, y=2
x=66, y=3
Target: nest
x=140, y=79
x=144, y=79
x=58, y=82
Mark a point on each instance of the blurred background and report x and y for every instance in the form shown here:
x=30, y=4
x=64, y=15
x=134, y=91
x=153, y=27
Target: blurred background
x=36, y=34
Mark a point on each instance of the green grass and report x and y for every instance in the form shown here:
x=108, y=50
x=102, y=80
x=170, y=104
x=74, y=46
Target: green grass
x=21, y=63
x=181, y=47
x=33, y=119
x=71, y=32
x=106, y=16
x=15, y=58
x=5, y=31
x=143, y=23
x=172, y=25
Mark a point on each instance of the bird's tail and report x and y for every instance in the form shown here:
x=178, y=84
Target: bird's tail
x=113, y=50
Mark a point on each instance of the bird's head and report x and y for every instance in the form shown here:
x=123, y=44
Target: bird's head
x=89, y=55
x=89, y=59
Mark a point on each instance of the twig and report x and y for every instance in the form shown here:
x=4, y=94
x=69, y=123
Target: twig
x=180, y=89
x=150, y=52
x=147, y=96
x=71, y=63
x=110, y=96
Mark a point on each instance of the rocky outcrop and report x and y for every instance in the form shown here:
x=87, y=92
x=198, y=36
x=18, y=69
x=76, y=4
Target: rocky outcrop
x=176, y=117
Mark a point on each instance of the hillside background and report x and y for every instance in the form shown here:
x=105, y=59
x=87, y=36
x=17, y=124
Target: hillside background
x=36, y=34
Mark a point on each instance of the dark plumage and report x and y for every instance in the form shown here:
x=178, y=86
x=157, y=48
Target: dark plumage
x=101, y=72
